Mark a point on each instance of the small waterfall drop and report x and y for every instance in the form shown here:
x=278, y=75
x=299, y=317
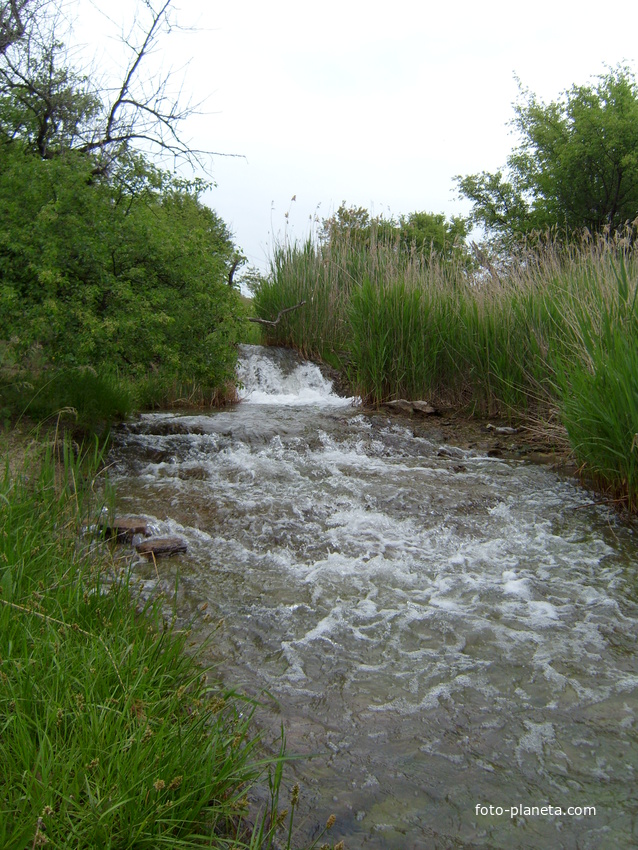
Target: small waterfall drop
x=279, y=376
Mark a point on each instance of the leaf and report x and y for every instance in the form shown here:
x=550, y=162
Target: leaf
x=6, y=585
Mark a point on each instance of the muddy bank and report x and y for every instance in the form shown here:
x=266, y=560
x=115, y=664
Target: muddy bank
x=494, y=437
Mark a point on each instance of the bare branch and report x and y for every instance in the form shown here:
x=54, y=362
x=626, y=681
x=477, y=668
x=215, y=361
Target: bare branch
x=61, y=108
x=13, y=17
x=139, y=56
x=238, y=261
x=276, y=321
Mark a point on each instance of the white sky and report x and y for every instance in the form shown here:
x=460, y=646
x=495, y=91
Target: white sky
x=379, y=104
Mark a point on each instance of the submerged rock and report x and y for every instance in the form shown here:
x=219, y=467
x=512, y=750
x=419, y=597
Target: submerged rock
x=162, y=546
x=125, y=528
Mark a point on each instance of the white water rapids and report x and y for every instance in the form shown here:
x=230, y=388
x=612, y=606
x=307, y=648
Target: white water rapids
x=441, y=629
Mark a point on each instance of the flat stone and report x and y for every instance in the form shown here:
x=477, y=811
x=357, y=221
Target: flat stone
x=424, y=407
x=405, y=406
x=399, y=404
x=501, y=429
x=161, y=546
x=125, y=528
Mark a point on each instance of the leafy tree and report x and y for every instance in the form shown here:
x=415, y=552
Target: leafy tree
x=352, y=222
x=44, y=106
x=90, y=274
x=432, y=234
x=576, y=166
x=106, y=260
x=16, y=17
x=424, y=233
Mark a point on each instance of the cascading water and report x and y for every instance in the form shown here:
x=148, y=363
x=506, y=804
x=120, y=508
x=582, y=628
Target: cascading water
x=441, y=629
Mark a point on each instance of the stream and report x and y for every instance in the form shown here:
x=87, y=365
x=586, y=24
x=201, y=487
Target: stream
x=439, y=629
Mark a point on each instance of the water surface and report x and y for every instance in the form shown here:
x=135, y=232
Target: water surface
x=444, y=629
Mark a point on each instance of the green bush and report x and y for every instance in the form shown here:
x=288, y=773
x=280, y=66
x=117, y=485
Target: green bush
x=127, y=273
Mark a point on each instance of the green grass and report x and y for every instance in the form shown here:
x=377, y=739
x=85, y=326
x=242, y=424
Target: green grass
x=112, y=734
x=88, y=403
x=553, y=332
x=88, y=399
x=598, y=386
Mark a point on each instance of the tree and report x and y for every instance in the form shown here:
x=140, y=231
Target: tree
x=432, y=234
x=44, y=105
x=52, y=107
x=15, y=19
x=106, y=260
x=426, y=234
x=353, y=222
x=94, y=274
x=576, y=166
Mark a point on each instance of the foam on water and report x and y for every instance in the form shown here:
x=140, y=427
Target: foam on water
x=366, y=582
x=283, y=380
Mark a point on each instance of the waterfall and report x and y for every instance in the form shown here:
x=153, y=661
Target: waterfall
x=279, y=376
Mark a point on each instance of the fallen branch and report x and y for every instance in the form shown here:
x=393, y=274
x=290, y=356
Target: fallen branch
x=276, y=321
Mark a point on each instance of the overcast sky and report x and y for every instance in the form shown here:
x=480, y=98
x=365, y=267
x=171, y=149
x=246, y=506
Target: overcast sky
x=379, y=104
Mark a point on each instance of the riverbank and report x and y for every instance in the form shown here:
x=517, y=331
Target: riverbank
x=115, y=733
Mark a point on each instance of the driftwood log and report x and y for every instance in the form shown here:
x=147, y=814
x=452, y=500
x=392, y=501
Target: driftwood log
x=276, y=321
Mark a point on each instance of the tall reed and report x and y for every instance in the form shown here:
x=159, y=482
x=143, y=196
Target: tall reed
x=550, y=332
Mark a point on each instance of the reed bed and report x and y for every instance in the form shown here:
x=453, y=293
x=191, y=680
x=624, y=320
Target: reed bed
x=552, y=331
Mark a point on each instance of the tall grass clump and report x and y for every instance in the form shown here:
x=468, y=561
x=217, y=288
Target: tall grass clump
x=393, y=347
x=112, y=734
x=598, y=384
x=90, y=400
x=551, y=331
x=318, y=329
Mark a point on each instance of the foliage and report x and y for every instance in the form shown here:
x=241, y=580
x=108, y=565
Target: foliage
x=428, y=234
x=431, y=234
x=48, y=108
x=97, y=273
x=107, y=263
x=576, y=166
